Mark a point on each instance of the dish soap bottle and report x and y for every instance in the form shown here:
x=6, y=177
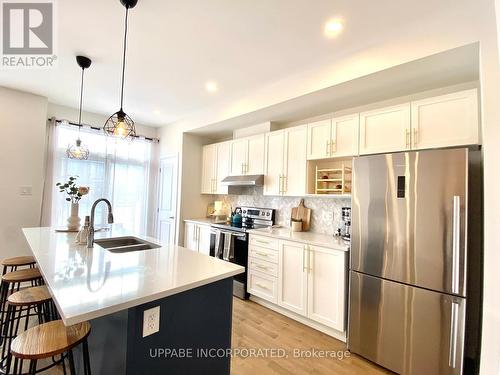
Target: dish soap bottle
x=81, y=237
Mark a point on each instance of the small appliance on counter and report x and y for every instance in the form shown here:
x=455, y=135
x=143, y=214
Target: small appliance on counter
x=229, y=241
x=346, y=219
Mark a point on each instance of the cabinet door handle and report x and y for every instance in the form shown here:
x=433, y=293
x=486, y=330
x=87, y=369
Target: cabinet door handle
x=415, y=136
x=327, y=148
x=309, y=260
x=333, y=147
x=280, y=184
x=246, y=168
x=262, y=267
x=304, y=268
x=261, y=254
x=407, y=137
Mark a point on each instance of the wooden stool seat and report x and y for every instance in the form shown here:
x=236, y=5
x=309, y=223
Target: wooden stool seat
x=30, y=296
x=23, y=275
x=18, y=261
x=49, y=339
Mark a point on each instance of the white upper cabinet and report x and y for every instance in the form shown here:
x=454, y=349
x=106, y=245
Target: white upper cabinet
x=385, y=130
x=275, y=145
x=292, y=277
x=247, y=155
x=294, y=180
x=255, y=158
x=239, y=156
x=326, y=286
x=318, y=139
x=447, y=120
x=345, y=136
x=223, y=163
x=286, y=162
x=209, y=169
x=337, y=137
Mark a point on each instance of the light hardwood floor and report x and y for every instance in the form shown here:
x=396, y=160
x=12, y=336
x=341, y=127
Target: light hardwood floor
x=255, y=326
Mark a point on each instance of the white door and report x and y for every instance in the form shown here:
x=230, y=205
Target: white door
x=447, y=120
x=208, y=174
x=318, y=139
x=204, y=239
x=255, y=162
x=223, y=163
x=385, y=130
x=292, y=277
x=191, y=236
x=167, y=198
x=326, y=286
x=295, y=160
x=345, y=136
x=239, y=156
x=273, y=178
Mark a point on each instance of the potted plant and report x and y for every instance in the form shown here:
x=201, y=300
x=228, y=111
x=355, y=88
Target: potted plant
x=75, y=193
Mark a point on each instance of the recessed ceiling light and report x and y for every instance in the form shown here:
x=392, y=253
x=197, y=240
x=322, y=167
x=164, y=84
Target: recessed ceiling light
x=211, y=86
x=333, y=27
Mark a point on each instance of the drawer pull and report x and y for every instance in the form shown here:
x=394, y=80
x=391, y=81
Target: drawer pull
x=263, y=242
x=261, y=267
x=261, y=254
x=262, y=286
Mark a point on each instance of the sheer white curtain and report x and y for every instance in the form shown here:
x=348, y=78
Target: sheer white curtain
x=116, y=169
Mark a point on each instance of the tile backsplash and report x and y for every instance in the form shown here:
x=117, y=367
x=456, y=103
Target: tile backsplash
x=326, y=215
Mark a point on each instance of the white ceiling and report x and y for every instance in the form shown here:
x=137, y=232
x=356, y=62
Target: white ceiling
x=175, y=47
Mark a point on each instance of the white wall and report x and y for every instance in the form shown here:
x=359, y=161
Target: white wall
x=22, y=148
x=467, y=22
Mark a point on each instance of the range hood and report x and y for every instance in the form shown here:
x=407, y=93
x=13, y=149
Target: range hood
x=246, y=180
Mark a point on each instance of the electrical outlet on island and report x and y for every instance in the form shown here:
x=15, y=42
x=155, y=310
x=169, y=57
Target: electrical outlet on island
x=151, y=323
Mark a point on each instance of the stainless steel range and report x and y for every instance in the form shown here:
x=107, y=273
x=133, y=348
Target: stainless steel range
x=230, y=241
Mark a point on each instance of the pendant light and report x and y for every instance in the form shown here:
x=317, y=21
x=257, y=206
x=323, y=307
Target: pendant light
x=119, y=124
x=78, y=150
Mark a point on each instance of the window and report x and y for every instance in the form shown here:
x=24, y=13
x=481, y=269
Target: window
x=116, y=169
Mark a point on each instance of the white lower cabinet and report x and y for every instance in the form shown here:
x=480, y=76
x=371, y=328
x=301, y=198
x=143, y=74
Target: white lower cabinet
x=197, y=237
x=292, y=277
x=304, y=279
x=326, y=286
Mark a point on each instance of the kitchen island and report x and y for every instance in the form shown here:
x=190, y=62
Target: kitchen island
x=113, y=289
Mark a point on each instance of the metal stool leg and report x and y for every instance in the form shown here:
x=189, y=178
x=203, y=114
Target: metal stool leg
x=72, y=370
x=32, y=369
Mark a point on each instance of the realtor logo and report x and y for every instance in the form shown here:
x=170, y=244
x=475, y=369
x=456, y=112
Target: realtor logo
x=28, y=34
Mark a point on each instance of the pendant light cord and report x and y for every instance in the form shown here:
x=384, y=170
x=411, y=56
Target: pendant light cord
x=81, y=102
x=124, y=56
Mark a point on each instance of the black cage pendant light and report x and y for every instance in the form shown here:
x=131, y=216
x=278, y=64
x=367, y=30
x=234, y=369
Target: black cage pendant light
x=120, y=124
x=78, y=150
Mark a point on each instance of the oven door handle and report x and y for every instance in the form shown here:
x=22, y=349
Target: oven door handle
x=227, y=232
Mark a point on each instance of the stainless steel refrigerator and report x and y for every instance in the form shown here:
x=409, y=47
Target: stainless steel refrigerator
x=415, y=226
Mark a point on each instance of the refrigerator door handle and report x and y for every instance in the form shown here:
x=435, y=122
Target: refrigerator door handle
x=452, y=356
x=455, y=273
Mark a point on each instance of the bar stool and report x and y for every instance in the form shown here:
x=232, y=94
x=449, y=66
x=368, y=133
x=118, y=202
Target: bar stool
x=11, y=264
x=48, y=340
x=21, y=306
x=11, y=283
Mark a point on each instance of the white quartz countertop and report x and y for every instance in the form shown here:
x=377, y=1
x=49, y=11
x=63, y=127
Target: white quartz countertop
x=204, y=220
x=311, y=238
x=88, y=283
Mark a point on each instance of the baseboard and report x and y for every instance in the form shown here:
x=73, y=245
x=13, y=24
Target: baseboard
x=308, y=322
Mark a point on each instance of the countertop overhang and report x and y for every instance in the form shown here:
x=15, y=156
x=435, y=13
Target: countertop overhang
x=89, y=283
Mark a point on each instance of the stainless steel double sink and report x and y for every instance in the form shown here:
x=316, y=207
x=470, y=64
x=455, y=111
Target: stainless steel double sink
x=125, y=244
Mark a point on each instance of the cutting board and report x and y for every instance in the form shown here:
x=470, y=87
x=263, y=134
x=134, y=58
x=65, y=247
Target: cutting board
x=302, y=213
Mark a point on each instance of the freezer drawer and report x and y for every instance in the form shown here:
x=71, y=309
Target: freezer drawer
x=408, y=330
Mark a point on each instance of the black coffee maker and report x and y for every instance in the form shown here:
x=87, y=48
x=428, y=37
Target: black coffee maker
x=346, y=218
